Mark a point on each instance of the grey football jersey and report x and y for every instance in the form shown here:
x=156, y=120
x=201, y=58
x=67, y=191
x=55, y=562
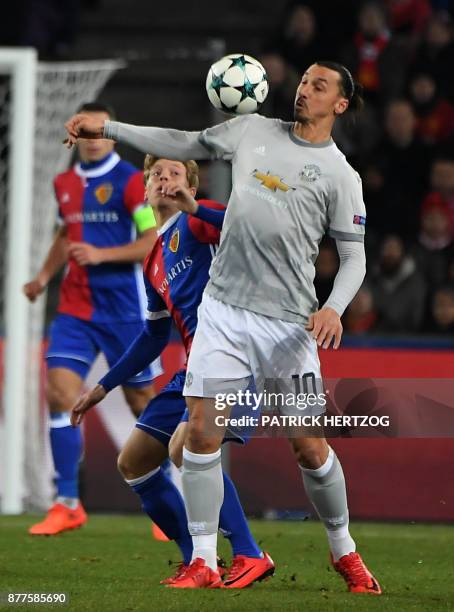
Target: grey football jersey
x=287, y=193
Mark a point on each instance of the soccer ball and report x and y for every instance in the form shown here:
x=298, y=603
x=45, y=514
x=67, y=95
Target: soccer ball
x=237, y=84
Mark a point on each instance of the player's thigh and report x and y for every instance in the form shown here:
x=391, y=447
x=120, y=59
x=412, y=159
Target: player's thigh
x=69, y=357
x=285, y=364
x=218, y=361
x=177, y=442
x=114, y=340
x=138, y=397
x=141, y=454
x=164, y=412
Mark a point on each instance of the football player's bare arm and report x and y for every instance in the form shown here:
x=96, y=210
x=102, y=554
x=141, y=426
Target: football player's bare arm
x=88, y=255
x=56, y=258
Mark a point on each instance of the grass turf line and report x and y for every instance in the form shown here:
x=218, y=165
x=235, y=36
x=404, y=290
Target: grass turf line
x=114, y=564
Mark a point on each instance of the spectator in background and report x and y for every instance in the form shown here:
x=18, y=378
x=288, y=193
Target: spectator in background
x=298, y=42
x=435, y=244
x=398, y=288
x=442, y=184
x=326, y=268
x=441, y=320
x=51, y=26
x=283, y=80
x=434, y=114
x=377, y=60
x=360, y=316
x=435, y=53
x=408, y=17
x=395, y=175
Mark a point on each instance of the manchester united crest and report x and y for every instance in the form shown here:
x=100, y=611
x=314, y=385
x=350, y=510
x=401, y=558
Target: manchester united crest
x=104, y=192
x=174, y=241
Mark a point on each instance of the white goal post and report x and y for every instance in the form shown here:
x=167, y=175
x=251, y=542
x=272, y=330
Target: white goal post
x=21, y=65
x=35, y=100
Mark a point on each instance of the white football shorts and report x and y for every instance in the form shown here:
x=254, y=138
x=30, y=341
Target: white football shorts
x=233, y=346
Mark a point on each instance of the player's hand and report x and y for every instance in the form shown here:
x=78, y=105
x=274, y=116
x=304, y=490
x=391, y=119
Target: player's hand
x=33, y=289
x=324, y=325
x=85, y=254
x=85, y=402
x=182, y=197
x=83, y=126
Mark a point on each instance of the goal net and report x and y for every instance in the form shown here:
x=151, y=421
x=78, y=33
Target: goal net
x=35, y=100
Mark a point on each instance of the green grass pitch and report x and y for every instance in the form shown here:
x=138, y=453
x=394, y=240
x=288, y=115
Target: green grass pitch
x=113, y=564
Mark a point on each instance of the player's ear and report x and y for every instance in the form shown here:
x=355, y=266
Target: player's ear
x=341, y=106
x=193, y=191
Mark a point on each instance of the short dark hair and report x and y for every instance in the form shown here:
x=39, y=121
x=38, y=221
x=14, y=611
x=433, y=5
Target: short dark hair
x=97, y=107
x=349, y=88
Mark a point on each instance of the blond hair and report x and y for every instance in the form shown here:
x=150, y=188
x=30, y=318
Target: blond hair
x=192, y=169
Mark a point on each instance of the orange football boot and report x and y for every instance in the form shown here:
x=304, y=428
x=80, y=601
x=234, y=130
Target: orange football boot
x=60, y=518
x=158, y=534
x=197, y=576
x=246, y=570
x=355, y=573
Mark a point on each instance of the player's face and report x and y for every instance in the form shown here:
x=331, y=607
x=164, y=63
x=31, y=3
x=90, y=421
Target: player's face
x=94, y=149
x=165, y=172
x=318, y=95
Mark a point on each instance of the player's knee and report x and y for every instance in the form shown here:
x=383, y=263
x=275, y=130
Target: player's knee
x=311, y=453
x=126, y=467
x=59, y=398
x=198, y=439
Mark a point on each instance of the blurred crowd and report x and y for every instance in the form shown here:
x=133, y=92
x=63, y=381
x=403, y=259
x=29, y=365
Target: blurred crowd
x=402, y=53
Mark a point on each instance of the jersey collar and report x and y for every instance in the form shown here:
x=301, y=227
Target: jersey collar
x=168, y=223
x=104, y=167
x=305, y=143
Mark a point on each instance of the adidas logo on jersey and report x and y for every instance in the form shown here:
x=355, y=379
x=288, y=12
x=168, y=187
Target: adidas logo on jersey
x=260, y=150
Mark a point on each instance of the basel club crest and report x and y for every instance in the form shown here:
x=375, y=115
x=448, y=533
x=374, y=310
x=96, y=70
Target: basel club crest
x=174, y=241
x=104, y=192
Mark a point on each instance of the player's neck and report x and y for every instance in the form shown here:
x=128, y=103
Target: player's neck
x=93, y=163
x=163, y=214
x=314, y=132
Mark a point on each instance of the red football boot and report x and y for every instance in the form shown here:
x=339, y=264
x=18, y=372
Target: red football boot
x=355, y=573
x=197, y=576
x=246, y=570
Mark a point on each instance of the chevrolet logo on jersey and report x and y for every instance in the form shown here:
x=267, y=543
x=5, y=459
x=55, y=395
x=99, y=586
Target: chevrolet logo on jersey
x=104, y=192
x=271, y=181
x=174, y=241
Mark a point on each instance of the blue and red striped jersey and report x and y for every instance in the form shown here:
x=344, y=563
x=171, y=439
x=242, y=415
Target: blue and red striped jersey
x=96, y=202
x=177, y=269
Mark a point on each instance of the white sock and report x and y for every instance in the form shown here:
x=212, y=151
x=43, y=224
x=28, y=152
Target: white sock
x=69, y=502
x=203, y=488
x=340, y=542
x=205, y=547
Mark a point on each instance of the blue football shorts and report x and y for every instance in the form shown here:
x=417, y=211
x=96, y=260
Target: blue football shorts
x=74, y=344
x=165, y=411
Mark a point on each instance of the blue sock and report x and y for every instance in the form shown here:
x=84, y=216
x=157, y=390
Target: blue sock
x=233, y=524
x=66, y=444
x=163, y=503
